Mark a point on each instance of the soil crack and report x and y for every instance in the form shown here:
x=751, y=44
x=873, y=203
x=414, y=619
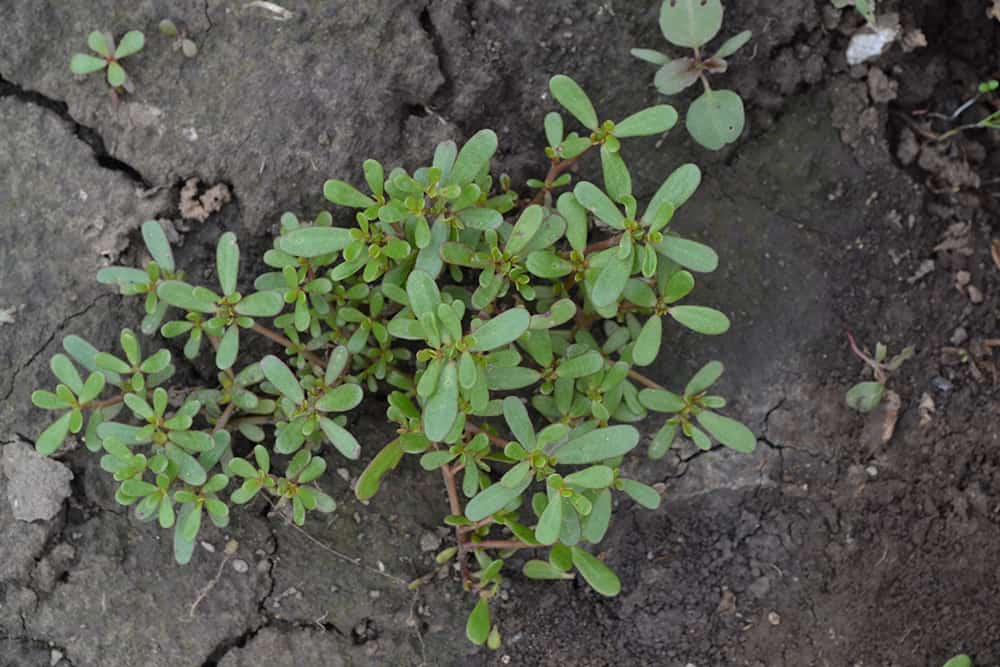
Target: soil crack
x=87, y=135
x=51, y=337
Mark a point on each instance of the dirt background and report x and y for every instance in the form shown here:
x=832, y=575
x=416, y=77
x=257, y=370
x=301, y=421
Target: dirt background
x=836, y=211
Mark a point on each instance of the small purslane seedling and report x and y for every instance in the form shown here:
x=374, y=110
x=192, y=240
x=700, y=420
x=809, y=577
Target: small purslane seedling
x=181, y=40
x=458, y=299
x=864, y=7
x=959, y=661
x=866, y=396
x=716, y=117
x=108, y=57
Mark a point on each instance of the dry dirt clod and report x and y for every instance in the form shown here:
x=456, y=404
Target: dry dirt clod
x=197, y=205
x=36, y=485
x=926, y=409
x=773, y=618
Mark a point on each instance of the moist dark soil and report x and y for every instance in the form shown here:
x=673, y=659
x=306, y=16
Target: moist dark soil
x=845, y=540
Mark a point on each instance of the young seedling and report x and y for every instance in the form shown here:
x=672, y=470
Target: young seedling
x=103, y=44
x=866, y=396
x=453, y=296
x=181, y=41
x=716, y=117
x=990, y=122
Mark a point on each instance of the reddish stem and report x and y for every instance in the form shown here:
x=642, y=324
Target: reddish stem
x=497, y=544
x=557, y=168
x=285, y=342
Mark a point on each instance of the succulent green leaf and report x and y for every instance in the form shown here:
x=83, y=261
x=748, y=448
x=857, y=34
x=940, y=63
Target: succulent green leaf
x=64, y=369
x=131, y=42
x=594, y=200
x=46, y=400
x=679, y=186
x=651, y=56
x=261, y=304
x=645, y=495
x=422, y=292
x=654, y=120
x=663, y=440
x=81, y=63
x=371, y=479
x=568, y=93
x=729, y=432
x=52, y=437
x=345, y=194
x=617, y=180
x=474, y=158
x=594, y=477
x=690, y=23
x=278, y=374
x=477, y=627
x=550, y=523
x=182, y=295
x=519, y=421
x=116, y=75
x=647, y=343
x=98, y=43
x=229, y=347
x=540, y=569
x=505, y=328
x=733, y=44
x=188, y=467
x=341, y=399
x=596, y=573
x=554, y=131
x=493, y=499
x=158, y=245
x=959, y=661
x=314, y=241
x=610, y=282
x=183, y=548
x=704, y=378
x=480, y=218
x=547, y=264
x=582, y=365
x=865, y=396
x=525, y=229
x=341, y=438
x=442, y=408
x=598, y=445
x=703, y=320
x=716, y=118
x=227, y=261
x=595, y=524
x=689, y=254
x=661, y=400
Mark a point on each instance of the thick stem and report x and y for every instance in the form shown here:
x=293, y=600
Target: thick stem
x=107, y=402
x=603, y=245
x=497, y=544
x=285, y=342
x=495, y=439
x=555, y=171
x=456, y=510
x=643, y=380
x=224, y=417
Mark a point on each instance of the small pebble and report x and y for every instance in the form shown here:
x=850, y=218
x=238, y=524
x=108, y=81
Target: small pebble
x=773, y=618
x=942, y=384
x=975, y=294
x=959, y=336
x=208, y=547
x=429, y=541
x=374, y=595
x=344, y=473
x=872, y=471
x=55, y=657
x=240, y=566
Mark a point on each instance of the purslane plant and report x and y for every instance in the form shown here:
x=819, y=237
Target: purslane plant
x=716, y=117
x=103, y=44
x=454, y=297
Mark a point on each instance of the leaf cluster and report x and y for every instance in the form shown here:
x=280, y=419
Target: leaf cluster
x=108, y=56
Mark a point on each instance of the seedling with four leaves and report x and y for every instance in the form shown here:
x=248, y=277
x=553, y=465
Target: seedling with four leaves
x=716, y=117
x=108, y=57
